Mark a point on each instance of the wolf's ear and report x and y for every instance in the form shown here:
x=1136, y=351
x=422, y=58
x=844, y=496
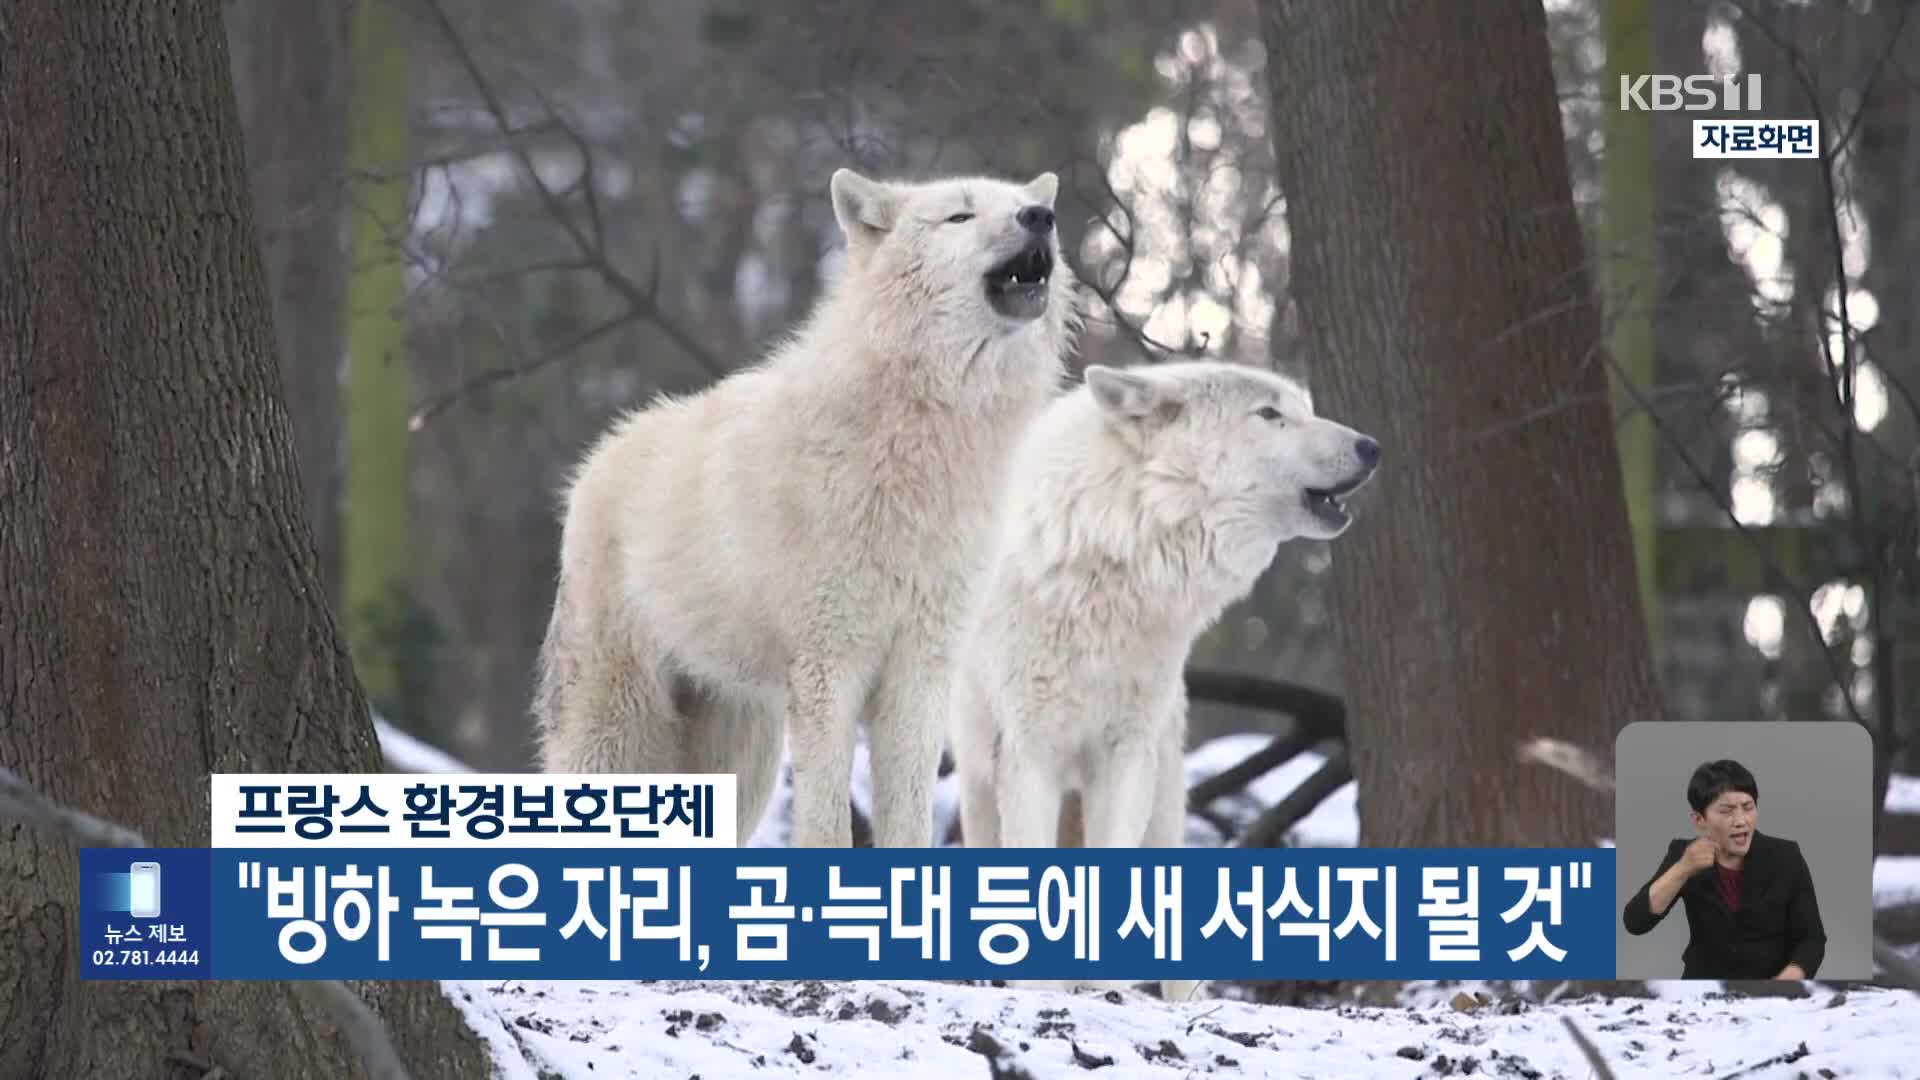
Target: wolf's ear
x=1127, y=394
x=865, y=208
x=1044, y=188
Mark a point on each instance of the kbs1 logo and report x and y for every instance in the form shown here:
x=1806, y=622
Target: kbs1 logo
x=1722, y=139
x=1694, y=93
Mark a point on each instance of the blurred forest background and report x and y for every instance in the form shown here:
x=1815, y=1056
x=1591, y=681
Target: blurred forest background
x=1650, y=422
x=490, y=226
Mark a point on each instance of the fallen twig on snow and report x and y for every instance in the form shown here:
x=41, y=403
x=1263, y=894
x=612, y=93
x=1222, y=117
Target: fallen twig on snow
x=1588, y=1050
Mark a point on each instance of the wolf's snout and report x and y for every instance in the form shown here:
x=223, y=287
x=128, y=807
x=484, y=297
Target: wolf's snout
x=1036, y=219
x=1367, y=450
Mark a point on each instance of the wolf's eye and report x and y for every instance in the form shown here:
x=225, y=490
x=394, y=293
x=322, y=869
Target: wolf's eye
x=1267, y=412
x=959, y=219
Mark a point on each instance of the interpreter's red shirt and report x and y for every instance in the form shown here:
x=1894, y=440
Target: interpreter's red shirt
x=1728, y=883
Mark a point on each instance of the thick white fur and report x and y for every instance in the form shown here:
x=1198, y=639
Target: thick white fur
x=1143, y=504
x=788, y=549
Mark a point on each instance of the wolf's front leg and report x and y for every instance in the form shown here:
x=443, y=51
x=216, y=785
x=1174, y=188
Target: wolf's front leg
x=823, y=702
x=903, y=735
x=1167, y=828
x=1167, y=823
x=1116, y=807
x=972, y=728
x=1029, y=796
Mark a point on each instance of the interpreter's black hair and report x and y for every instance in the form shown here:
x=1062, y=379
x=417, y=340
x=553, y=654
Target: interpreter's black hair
x=1716, y=778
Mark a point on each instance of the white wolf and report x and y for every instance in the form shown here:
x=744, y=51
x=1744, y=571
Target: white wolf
x=1143, y=504
x=789, y=549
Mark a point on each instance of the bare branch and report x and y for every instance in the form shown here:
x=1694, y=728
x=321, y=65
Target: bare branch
x=446, y=159
x=1596, y=1060
x=1566, y=401
x=1779, y=577
x=444, y=401
x=18, y=799
x=1272, y=826
x=364, y=1030
x=1318, y=710
x=1220, y=822
x=1150, y=348
x=509, y=273
x=1318, y=717
x=1845, y=385
x=1278, y=751
x=1842, y=378
x=642, y=300
x=588, y=183
x=1803, y=73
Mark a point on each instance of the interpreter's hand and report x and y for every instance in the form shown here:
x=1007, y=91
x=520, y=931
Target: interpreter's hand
x=1699, y=855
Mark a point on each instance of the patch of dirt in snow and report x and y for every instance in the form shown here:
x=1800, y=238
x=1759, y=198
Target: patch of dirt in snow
x=927, y=1030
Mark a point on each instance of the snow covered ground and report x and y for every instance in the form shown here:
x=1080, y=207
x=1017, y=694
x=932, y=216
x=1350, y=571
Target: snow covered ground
x=408, y=754
x=936, y=1030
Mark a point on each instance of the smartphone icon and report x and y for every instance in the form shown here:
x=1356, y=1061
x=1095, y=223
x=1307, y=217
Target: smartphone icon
x=144, y=894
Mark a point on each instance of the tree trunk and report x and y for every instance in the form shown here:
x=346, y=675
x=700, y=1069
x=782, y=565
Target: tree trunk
x=1630, y=270
x=377, y=556
x=289, y=72
x=1487, y=593
x=161, y=615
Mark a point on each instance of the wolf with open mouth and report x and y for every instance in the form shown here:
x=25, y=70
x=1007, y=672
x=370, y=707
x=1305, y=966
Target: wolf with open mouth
x=787, y=553
x=1141, y=506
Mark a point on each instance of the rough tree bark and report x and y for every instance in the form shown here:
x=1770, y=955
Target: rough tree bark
x=161, y=615
x=1488, y=592
x=289, y=72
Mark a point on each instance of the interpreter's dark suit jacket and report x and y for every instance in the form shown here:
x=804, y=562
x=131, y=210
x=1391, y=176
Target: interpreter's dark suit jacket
x=1778, y=921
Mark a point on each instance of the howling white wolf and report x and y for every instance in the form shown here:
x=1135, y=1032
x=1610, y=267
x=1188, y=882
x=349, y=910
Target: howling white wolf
x=1142, y=504
x=790, y=550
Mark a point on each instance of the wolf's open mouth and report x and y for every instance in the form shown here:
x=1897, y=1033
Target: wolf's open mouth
x=1017, y=288
x=1325, y=503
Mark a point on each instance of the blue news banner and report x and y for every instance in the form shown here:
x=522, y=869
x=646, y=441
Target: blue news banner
x=950, y=913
